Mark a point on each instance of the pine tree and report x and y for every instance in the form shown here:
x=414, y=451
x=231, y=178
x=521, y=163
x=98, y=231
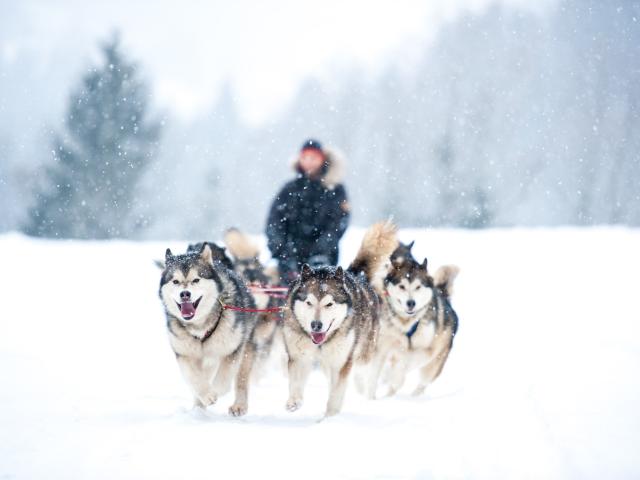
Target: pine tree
x=98, y=160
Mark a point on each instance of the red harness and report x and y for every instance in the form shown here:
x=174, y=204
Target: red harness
x=275, y=292
x=251, y=310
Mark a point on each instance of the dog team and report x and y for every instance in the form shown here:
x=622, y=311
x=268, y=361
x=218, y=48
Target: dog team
x=384, y=311
x=385, y=314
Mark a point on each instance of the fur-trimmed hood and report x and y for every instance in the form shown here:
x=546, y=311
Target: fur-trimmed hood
x=334, y=172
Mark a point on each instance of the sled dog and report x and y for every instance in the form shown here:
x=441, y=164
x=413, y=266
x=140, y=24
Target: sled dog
x=418, y=323
x=247, y=264
x=213, y=344
x=332, y=318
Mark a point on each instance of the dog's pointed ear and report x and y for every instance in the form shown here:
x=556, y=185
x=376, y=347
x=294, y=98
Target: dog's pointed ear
x=340, y=274
x=410, y=246
x=168, y=256
x=305, y=271
x=423, y=265
x=205, y=254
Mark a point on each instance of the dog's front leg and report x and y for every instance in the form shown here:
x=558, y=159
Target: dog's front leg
x=299, y=369
x=241, y=403
x=338, y=388
x=431, y=370
x=374, y=373
x=224, y=375
x=398, y=374
x=198, y=375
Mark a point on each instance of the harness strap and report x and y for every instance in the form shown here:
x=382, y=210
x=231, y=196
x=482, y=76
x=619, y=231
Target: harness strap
x=412, y=330
x=274, y=292
x=251, y=310
x=213, y=329
x=267, y=288
x=210, y=331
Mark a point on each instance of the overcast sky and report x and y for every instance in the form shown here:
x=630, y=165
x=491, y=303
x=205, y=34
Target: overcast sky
x=188, y=49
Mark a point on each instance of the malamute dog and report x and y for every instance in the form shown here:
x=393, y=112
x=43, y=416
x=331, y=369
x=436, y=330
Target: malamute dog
x=218, y=253
x=212, y=343
x=247, y=264
x=332, y=317
x=418, y=323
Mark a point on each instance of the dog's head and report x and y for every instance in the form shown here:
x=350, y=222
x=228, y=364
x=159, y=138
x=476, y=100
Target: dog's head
x=320, y=301
x=252, y=271
x=190, y=286
x=409, y=287
x=401, y=255
x=218, y=254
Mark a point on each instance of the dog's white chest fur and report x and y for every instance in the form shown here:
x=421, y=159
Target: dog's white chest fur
x=424, y=335
x=262, y=300
x=334, y=354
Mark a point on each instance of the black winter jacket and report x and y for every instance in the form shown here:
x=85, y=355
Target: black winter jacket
x=307, y=219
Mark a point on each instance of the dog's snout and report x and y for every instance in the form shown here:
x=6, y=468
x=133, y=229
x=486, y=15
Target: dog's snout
x=411, y=304
x=316, y=326
x=185, y=295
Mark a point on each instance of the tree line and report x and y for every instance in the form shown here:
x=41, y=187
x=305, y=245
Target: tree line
x=508, y=118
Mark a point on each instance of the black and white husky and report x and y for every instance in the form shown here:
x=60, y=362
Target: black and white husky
x=418, y=323
x=213, y=343
x=332, y=318
x=247, y=264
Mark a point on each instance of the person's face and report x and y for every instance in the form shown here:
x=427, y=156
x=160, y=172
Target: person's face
x=311, y=162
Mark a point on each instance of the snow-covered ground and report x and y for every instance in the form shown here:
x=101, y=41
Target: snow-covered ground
x=542, y=381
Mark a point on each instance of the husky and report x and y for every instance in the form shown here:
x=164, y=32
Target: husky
x=332, y=317
x=247, y=264
x=418, y=323
x=212, y=343
x=401, y=254
x=218, y=253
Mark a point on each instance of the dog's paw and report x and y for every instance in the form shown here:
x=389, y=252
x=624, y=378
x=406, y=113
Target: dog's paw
x=331, y=412
x=293, y=405
x=418, y=391
x=207, y=399
x=391, y=392
x=237, y=410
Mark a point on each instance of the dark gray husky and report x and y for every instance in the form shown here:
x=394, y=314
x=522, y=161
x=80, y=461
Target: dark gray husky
x=332, y=318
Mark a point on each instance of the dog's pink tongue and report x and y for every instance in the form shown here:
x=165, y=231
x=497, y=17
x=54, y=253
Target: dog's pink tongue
x=318, y=337
x=187, y=309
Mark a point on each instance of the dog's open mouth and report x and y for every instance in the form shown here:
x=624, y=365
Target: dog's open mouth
x=318, y=337
x=188, y=309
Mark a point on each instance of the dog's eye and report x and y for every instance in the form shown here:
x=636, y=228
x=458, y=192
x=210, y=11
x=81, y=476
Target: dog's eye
x=418, y=287
x=401, y=287
x=308, y=303
x=176, y=282
x=196, y=280
x=330, y=304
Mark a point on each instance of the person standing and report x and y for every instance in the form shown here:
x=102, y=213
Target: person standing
x=310, y=214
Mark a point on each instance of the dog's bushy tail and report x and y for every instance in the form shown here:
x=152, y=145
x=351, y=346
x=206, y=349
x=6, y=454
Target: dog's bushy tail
x=240, y=245
x=444, y=277
x=378, y=244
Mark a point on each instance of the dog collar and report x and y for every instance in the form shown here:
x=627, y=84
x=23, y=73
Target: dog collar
x=210, y=331
x=213, y=329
